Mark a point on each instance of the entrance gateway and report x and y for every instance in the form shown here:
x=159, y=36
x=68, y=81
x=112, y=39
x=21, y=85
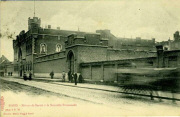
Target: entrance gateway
x=70, y=58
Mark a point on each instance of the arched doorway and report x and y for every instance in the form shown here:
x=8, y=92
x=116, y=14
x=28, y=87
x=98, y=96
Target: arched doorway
x=70, y=58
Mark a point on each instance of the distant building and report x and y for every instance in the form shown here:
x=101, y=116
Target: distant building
x=128, y=43
x=175, y=44
x=172, y=44
x=6, y=67
x=137, y=44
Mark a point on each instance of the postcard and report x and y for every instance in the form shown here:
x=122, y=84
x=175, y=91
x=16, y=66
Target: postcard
x=94, y=58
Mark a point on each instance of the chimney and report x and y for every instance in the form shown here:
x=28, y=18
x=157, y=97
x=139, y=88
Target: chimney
x=49, y=26
x=153, y=40
x=138, y=38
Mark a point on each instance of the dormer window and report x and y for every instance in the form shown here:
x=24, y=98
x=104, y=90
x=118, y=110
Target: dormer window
x=58, y=47
x=43, y=48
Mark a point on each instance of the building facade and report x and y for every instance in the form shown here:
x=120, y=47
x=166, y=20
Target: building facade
x=42, y=50
x=167, y=58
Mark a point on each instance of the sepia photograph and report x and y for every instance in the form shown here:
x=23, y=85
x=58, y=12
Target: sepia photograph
x=94, y=58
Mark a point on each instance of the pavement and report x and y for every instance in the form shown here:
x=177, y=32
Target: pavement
x=93, y=100
x=107, y=88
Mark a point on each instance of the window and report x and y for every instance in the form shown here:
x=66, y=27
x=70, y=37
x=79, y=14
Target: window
x=58, y=47
x=172, y=58
x=43, y=48
x=30, y=67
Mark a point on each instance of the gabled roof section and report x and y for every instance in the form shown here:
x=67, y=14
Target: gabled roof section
x=3, y=59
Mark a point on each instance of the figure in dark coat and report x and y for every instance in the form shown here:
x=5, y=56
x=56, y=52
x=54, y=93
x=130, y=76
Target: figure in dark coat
x=69, y=76
x=64, y=76
x=75, y=78
x=52, y=74
x=25, y=76
x=80, y=78
x=72, y=77
x=30, y=76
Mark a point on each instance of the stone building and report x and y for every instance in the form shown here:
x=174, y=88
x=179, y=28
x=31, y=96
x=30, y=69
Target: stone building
x=42, y=50
x=6, y=67
x=167, y=58
x=171, y=44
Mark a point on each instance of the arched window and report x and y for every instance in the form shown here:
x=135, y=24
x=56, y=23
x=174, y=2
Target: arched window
x=58, y=47
x=43, y=48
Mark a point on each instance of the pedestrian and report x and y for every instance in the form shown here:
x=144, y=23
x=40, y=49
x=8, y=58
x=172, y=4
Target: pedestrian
x=75, y=78
x=80, y=78
x=24, y=76
x=72, y=77
x=52, y=74
x=30, y=76
x=63, y=76
x=69, y=75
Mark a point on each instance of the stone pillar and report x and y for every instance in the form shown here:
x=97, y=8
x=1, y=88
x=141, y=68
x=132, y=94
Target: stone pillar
x=116, y=72
x=90, y=69
x=160, y=56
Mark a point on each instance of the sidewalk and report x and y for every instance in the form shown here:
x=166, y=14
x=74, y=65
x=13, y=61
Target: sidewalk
x=108, y=88
x=81, y=85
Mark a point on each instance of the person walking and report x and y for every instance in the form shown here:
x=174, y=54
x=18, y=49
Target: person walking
x=80, y=78
x=52, y=74
x=63, y=76
x=24, y=76
x=72, y=77
x=69, y=75
x=75, y=78
x=30, y=76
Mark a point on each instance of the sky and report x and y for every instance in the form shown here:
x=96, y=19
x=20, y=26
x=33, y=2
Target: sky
x=147, y=19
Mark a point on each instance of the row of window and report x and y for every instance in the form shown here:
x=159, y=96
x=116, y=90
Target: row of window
x=16, y=68
x=27, y=67
x=59, y=37
x=43, y=48
x=28, y=49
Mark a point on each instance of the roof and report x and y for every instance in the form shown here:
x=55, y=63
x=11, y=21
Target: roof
x=106, y=39
x=172, y=51
x=3, y=59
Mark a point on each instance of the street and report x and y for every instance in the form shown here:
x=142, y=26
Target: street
x=72, y=100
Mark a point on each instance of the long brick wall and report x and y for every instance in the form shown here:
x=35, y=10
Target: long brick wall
x=54, y=62
x=107, y=70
